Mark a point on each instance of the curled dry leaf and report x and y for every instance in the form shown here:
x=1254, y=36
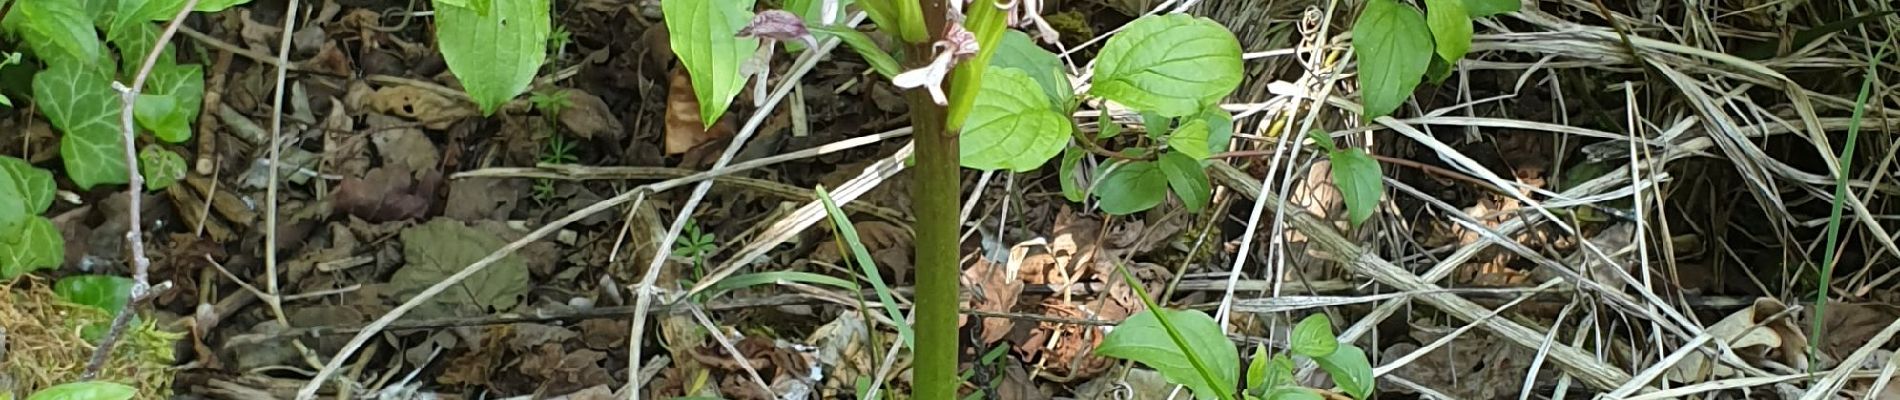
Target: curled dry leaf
x=433, y=109
x=684, y=129
x=996, y=288
x=1753, y=336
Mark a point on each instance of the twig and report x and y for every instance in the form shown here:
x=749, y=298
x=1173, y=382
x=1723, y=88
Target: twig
x=276, y=149
x=142, y=289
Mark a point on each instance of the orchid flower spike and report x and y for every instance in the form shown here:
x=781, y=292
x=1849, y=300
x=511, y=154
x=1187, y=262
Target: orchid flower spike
x=958, y=44
x=771, y=27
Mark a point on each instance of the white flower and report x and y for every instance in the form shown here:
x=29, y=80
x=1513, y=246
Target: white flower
x=930, y=77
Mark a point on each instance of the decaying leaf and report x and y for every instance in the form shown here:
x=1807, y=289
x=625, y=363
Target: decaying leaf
x=432, y=109
x=587, y=116
x=997, y=287
x=684, y=128
x=888, y=243
x=442, y=247
x=389, y=193
x=1752, y=337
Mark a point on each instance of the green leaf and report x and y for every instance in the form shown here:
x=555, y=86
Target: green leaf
x=185, y=83
x=1294, y=393
x=1143, y=339
x=31, y=184
x=496, y=55
x=1172, y=64
x=80, y=101
x=1451, y=27
x=1357, y=176
x=134, y=38
x=210, y=6
x=105, y=292
x=849, y=232
x=737, y=282
x=1257, y=369
x=86, y=390
x=13, y=210
x=813, y=13
x=1071, y=188
x=1220, y=128
x=1350, y=370
x=161, y=115
x=161, y=167
x=1132, y=187
x=1017, y=50
x=1187, y=179
x=1313, y=337
x=1012, y=127
x=1486, y=8
x=703, y=34
x=1108, y=127
x=880, y=60
x=1438, y=71
x=63, y=24
x=1274, y=371
x=1191, y=139
x=1394, y=46
x=36, y=245
x=1157, y=125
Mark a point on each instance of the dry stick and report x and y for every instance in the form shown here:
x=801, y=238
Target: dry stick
x=1585, y=366
x=270, y=191
x=142, y=289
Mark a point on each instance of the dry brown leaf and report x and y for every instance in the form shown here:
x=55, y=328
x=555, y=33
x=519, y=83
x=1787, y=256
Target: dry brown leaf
x=1850, y=325
x=559, y=371
x=483, y=199
x=408, y=148
x=889, y=244
x=588, y=117
x=1751, y=337
x=432, y=109
x=996, y=288
x=387, y=194
x=684, y=129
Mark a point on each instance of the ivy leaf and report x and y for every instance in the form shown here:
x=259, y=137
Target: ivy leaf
x=63, y=24
x=12, y=206
x=80, y=101
x=1394, y=46
x=134, y=38
x=1191, y=139
x=1486, y=8
x=1017, y=50
x=1143, y=339
x=1012, y=126
x=1187, y=179
x=703, y=34
x=1350, y=370
x=1451, y=27
x=1313, y=337
x=86, y=390
x=161, y=167
x=1132, y=187
x=33, y=185
x=35, y=246
x=159, y=113
x=1071, y=187
x=185, y=83
x=1172, y=64
x=1357, y=176
x=494, y=54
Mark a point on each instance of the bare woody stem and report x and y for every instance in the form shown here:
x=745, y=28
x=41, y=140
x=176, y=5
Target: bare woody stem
x=142, y=289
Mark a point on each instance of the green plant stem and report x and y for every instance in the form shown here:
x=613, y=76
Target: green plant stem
x=936, y=197
x=1826, y=276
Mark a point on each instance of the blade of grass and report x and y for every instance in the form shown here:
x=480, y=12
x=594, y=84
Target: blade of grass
x=842, y=224
x=1826, y=277
x=1180, y=342
x=754, y=279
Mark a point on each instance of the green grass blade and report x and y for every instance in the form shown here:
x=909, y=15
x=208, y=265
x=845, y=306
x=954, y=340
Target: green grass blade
x=763, y=278
x=843, y=226
x=1826, y=278
x=1193, y=357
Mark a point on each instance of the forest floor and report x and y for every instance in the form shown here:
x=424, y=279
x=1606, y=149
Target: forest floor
x=1675, y=187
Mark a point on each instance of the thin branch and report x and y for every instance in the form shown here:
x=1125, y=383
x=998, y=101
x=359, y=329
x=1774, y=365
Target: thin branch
x=142, y=289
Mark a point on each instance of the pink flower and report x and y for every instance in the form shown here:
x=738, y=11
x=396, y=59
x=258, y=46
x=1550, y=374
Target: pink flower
x=958, y=44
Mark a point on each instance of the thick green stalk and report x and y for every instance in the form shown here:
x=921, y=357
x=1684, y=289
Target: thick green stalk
x=935, y=198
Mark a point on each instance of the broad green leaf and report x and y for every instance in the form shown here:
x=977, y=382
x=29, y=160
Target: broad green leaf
x=1350, y=369
x=1294, y=393
x=1132, y=187
x=1394, y=46
x=134, y=41
x=13, y=210
x=1359, y=181
x=35, y=246
x=1071, y=187
x=86, y=390
x=442, y=247
x=849, y=232
x=880, y=60
x=1438, y=71
x=1486, y=8
x=1187, y=180
x=1107, y=127
x=32, y=184
x=1013, y=126
x=1142, y=338
x=1172, y=64
x=185, y=83
x=1313, y=337
x=1220, y=128
x=80, y=102
x=1157, y=125
x=64, y=24
x=1017, y=50
x=1191, y=139
x=496, y=55
x=212, y=6
x=106, y=292
x=1269, y=372
x=161, y=115
x=703, y=34
x=1451, y=27
x=161, y=167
